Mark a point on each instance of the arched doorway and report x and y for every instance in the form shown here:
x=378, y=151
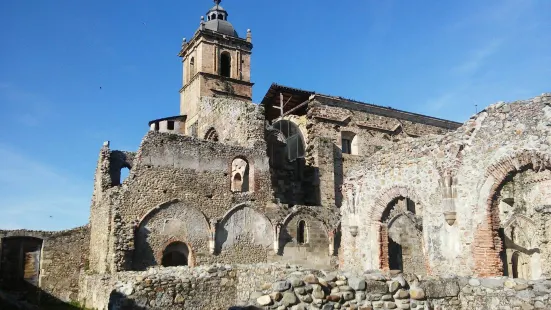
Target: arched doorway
x=401, y=239
x=175, y=254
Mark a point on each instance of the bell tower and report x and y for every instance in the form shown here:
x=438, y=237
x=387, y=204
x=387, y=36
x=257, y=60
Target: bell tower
x=216, y=63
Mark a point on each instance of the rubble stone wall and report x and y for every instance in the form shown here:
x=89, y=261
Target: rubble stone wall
x=236, y=122
x=63, y=255
x=178, y=182
x=275, y=286
x=456, y=177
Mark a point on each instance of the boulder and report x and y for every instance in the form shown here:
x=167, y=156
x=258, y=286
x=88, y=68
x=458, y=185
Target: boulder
x=264, y=300
x=356, y=283
x=441, y=288
x=281, y=286
x=289, y=299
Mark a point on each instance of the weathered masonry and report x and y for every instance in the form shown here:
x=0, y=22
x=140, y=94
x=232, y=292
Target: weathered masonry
x=304, y=201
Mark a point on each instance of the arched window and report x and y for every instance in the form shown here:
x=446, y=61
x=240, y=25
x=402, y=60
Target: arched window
x=191, y=67
x=211, y=135
x=514, y=265
x=302, y=232
x=349, y=143
x=175, y=254
x=220, y=16
x=213, y=16
x=288, y=139
x=225, y=64
x=410, y=205
x=240, y=175
x=395, y=255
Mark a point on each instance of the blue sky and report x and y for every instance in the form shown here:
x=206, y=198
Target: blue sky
x=433, y=57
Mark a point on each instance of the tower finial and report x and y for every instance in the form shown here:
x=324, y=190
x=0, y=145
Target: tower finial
x=217, y=2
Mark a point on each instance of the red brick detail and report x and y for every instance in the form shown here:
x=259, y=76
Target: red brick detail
x=381, y=203
x=389, y=195
x=488, y=244
x=191, y=260
x=383, y=248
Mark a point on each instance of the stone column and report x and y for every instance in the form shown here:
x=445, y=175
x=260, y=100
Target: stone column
x=212, y=239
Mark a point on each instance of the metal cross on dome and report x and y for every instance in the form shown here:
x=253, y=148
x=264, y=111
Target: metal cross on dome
x=217, y=2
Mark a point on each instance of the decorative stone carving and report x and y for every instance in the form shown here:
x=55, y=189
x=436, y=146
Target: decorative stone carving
x=450, y=217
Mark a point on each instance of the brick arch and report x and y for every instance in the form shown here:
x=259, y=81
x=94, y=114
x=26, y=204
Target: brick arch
x=388, y=195
x=380, y=205
x=488, y=244
x=188, y=225
x=192, y=262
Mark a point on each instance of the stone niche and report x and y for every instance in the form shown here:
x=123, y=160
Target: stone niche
x=240, y=175
x=166, y=229
x=245, y=236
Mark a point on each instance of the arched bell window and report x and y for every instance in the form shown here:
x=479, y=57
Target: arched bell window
x=225, y=64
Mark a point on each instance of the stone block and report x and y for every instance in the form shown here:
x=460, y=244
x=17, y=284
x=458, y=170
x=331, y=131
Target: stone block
x=441, y=288
x=356, y=283
x=376, y=287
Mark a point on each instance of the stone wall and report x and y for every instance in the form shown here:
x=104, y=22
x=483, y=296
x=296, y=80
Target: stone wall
x=62, y=256
x=236, y=122
x=457, y=178
x=275, y=286
x=174, y=173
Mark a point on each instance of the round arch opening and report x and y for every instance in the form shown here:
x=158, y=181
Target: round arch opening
x=175, y=254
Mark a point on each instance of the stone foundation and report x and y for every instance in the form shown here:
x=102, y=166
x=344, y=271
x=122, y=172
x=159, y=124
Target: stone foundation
x=275, y=286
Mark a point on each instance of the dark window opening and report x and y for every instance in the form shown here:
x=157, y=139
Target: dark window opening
x=213, y=16
x=514, y=265
x=175, y=254
x=410, y=205
x=170, y=125
x=395, y=261
x=225, y=64
x=220, y=16
x=301, y=232
x=157, y=126
x=346, y=146
x=191, y=67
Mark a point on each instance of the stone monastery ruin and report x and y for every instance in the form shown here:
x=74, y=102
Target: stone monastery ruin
x=304, y=201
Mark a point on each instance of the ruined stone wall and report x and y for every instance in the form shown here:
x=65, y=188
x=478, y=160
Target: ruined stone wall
x=63, y=255
x=276, y=286
x=236, y=122
x=456, y=178
x=369, y=128
x=312, y=250
x=525, y=227
x=107, y=185
x=175, y=173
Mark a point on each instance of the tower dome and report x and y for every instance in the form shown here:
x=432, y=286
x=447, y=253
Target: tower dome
x=217, y=20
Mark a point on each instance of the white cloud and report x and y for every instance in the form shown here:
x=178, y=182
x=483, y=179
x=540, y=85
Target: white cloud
x=476, y=58
x=34, y=195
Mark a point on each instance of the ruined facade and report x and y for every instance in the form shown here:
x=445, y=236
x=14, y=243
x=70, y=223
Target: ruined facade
x=305, y=179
